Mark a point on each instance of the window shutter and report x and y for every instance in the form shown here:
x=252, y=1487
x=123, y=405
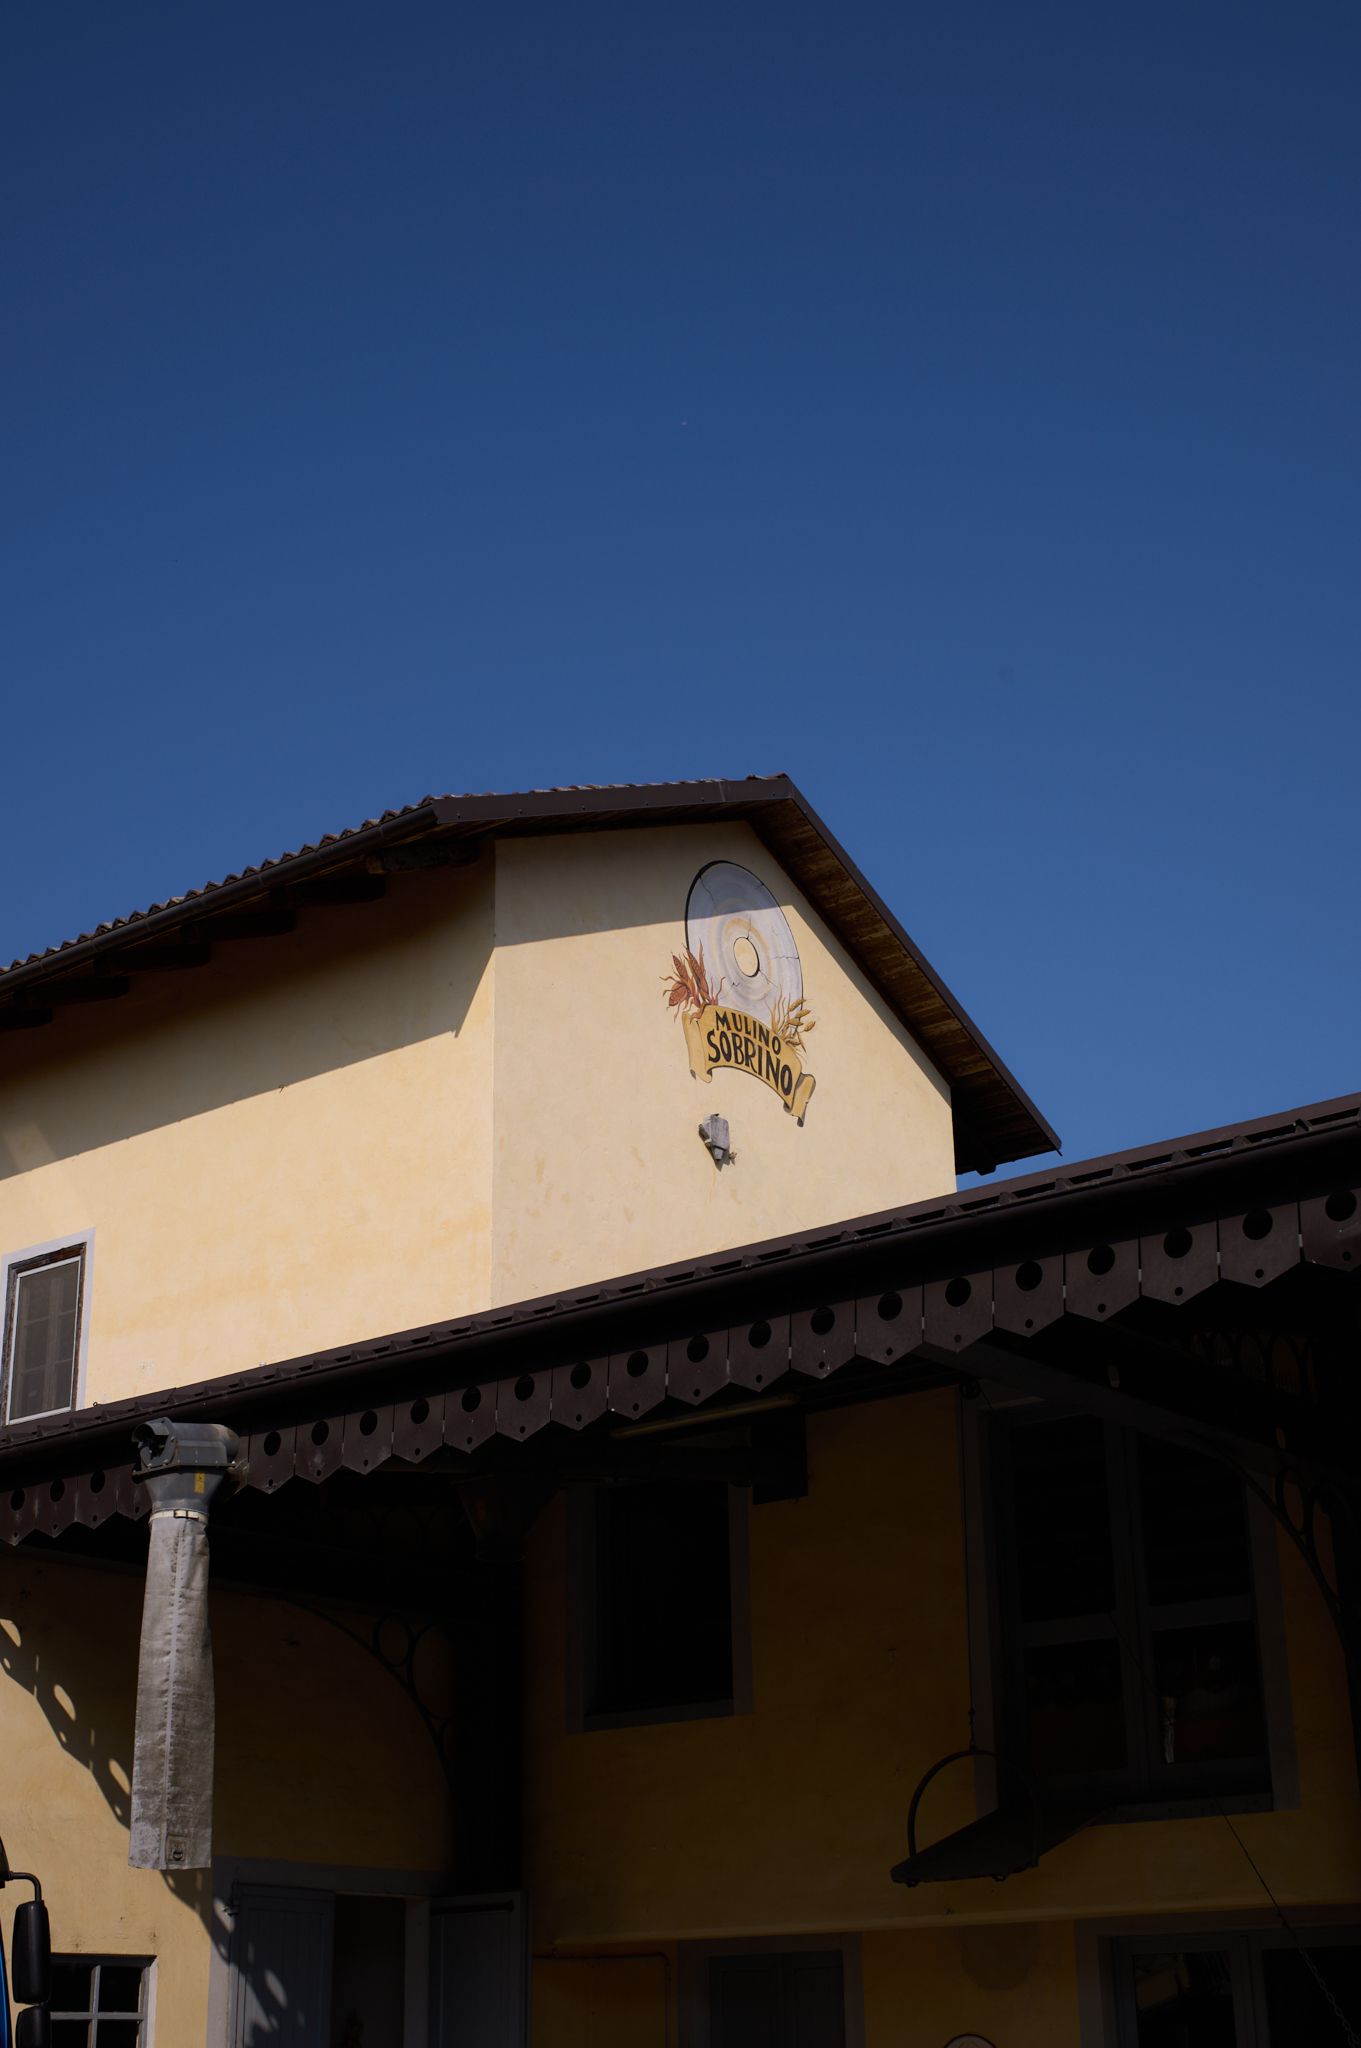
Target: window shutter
x=44, y=1338
x=281, y=1967
x=478, y=1986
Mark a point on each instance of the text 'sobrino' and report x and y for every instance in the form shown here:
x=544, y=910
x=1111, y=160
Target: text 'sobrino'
x=738, y=986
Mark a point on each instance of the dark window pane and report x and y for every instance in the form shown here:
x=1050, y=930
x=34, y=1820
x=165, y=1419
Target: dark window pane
x=1075, y=1707
x=1063, y=1535
x=745, y=2002
x=71, y=1986
x=70, y=2033
x=1184, y=2000
x=1195, y=1529
x=815, y=2001
x=117, y=2033
x=1298, y=2008
x=120, y=1987
x=791, y=2000
x=1208, y=1686
x=43, y=1340
x=663, y=1597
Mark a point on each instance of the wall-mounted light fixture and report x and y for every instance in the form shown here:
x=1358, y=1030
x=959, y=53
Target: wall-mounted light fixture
x=714, y=1131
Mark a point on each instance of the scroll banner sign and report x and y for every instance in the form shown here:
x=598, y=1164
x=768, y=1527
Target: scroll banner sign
x=738, y=986
x=742, y=1045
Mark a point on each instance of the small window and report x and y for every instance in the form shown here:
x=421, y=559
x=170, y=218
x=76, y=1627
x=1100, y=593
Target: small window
x=1129, y=1625
x=661, y=1589
x=100, y=2001
x=43, y=1315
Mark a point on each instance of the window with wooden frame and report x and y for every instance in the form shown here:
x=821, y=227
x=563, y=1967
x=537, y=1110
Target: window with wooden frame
x=101, y=2001
x=1277, y=1988
x=658, y=1630
x=1130, y=1664
x=45, y=1293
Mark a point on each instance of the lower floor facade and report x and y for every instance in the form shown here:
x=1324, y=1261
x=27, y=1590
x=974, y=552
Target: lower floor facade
x=1171, y=1982
x=577, y=1694
x=697, y=1882
x=347, y=1957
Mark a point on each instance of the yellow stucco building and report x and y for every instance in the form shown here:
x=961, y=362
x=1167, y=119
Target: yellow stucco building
x=641, y=1467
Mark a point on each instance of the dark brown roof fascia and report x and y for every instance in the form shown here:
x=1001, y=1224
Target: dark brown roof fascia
x=560, y=810
x=994, y=1118
x=216, y=897
x=1306, y=1152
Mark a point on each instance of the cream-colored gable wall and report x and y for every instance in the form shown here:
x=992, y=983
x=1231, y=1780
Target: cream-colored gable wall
x=599, y=1169
x=469, y=1093
x=286, y=1150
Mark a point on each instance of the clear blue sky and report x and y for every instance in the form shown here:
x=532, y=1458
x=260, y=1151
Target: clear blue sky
x=955, y=406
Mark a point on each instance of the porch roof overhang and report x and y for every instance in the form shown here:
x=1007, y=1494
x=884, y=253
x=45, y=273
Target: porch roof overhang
x=1171, y=1252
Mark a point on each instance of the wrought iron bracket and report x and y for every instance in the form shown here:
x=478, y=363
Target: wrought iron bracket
x=395, y=1639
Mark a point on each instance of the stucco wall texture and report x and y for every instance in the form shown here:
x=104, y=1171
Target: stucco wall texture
x=469, y=1093
x=320, y=1758
x=859, y=1682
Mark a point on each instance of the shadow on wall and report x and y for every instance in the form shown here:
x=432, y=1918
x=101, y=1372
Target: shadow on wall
x=78, y=1660
x=321, y=1758
x=348, y=985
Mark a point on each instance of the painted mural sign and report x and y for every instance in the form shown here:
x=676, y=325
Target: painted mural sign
x=738, y=986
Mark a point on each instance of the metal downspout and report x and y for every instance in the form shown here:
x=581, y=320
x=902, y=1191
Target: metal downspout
x=183, y=1467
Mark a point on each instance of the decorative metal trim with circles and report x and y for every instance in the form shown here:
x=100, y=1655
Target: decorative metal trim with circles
x=888, y=1325
x=1028, y=1296
x=1259, y=1246
x=579, y=1392
x=637, y=1380
x=1250, y=1248
x=697, y=1367
x=1102, y=1279
x=758, y=1352
x=523, y=1404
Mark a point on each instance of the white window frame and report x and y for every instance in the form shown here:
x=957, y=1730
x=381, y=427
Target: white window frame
x=147, y=1966
x=79, y=1244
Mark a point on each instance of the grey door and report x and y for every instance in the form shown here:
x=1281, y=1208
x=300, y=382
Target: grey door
x=478, y=1974
x=280, y=1963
